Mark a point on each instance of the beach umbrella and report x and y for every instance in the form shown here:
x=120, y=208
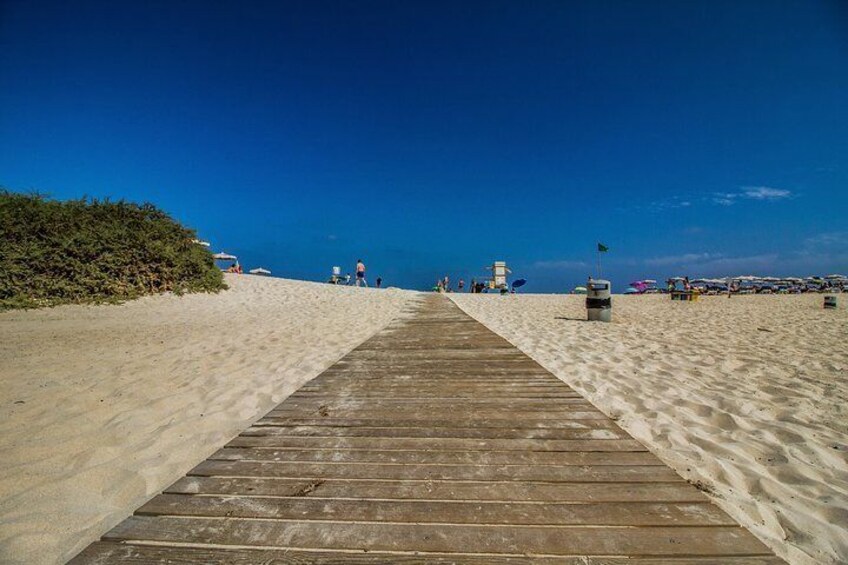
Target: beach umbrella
x=519, y=283
x=259, y=271
x=579, y=290
x=630, y=290
x=224, y=257
x=836, y=277
x=199, y=242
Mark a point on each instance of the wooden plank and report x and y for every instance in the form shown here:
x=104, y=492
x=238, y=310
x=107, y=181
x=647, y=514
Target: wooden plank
x=435, y=490
x=426, y=405
x=582, y=414
x=440, y=444
x=276, y=426
x=417, y=394
x=111, y=553
x=548, y=473
x=425, y=511
x=436, y=421
x=720, y=560
x=441, y=457
x=512, y=539
x=460, y=373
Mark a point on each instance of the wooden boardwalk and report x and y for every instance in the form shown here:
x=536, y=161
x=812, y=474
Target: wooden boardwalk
x=434, y=441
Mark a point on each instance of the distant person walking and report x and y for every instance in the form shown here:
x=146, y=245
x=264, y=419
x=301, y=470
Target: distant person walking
x=461, y=285
x=379, y=282
x=446, y=284
x=360, y=273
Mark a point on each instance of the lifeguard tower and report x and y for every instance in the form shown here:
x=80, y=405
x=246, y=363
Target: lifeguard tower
x=499, y=273
x=338, y=278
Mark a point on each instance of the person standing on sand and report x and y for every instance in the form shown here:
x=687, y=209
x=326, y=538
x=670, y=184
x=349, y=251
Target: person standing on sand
x=379, y=282
x=461, y=285
x=360, y=273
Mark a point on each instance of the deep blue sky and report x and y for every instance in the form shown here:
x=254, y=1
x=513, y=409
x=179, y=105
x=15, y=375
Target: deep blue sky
x=700, y=138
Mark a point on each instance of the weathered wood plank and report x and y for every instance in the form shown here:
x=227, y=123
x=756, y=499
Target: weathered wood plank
x=444, y=457
x=548, y=473
x=436, y=421
x=581, y=413
x=110, y=553
x=435, y=376
x=415, y=511
x=568, y=541
x=441, y=444
x=417, y=394
x=276, y=426
x=426, y=405
x=678, y=491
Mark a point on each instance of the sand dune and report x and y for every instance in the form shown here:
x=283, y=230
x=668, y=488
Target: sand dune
x=748, y=396
x=103, y=406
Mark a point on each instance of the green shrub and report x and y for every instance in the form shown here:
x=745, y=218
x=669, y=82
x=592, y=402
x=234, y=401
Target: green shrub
x=87, y=250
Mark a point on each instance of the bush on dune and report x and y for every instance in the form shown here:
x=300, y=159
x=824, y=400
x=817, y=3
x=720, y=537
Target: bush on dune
x=54, y=252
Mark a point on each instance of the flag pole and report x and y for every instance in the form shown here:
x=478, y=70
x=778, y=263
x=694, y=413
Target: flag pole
x=599, y=260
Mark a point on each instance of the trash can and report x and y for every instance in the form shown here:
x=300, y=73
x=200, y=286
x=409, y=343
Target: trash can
x=829, y=302
x=598, y=300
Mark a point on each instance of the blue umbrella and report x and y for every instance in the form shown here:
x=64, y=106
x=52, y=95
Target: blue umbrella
x=519, y=283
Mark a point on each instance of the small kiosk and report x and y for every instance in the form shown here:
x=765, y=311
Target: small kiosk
x=338, y=278
x=499, y=273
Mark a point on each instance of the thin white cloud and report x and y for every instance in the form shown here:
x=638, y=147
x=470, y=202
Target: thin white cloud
x=715, y=263
x=829, y=239
x=685, y=259
x=725, y=198
x=734, y=265
x=755, y=193
x=820, y=253
x=764, y=193
x=562, y=265
x=760, y=193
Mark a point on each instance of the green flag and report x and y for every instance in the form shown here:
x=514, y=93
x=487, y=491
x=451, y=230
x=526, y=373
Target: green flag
x=602, y=248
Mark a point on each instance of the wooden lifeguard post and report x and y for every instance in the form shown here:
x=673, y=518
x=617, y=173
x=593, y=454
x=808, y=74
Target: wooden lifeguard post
x=499, y=273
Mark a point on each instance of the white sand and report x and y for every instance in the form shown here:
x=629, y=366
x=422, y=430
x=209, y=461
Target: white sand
x=120, y=401
x=759, y=417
